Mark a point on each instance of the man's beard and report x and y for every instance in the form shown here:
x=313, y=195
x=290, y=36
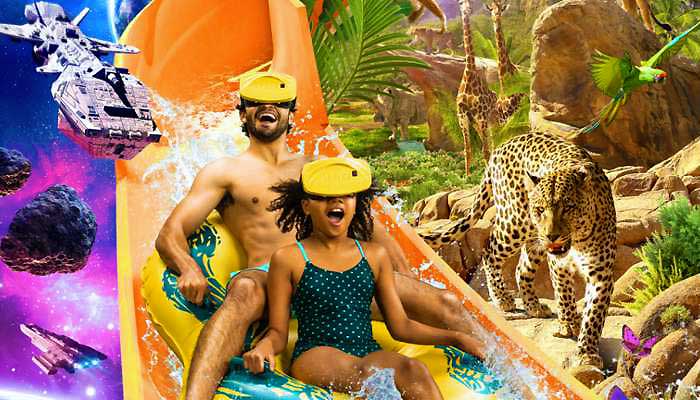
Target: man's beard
x=269, y=136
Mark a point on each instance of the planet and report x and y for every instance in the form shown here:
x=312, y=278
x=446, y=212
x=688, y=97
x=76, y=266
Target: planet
x=122, y=12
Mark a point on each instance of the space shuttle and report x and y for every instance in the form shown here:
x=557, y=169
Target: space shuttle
x=102, y=108
x=59, y=351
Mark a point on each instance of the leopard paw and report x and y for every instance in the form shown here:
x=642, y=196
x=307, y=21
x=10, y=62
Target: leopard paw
x=506, y=304
x=576, y=360
x=566, y=331
x=539, y=310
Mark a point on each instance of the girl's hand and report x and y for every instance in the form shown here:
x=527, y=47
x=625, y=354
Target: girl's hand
x=254, y=360
x=470, y=345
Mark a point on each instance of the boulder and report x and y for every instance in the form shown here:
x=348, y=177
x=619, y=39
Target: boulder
x=628, y=387
x=648, y=322
x=615, y=173
x=634, y=184
x=663, y=171
x=644, y=208
x=432, y=208
x=691, y=182
x=656, y=121
x=632, y=232
x=626, y=284
x=689, y=389
x=459, y=195
x=694, y=197
x=587, y=374
x=541, y=331
x=671, y=184
x=685, y=162
x=670, y=360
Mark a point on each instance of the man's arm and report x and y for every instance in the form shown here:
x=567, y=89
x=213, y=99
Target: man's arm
x=207, y=190
x=398, y=260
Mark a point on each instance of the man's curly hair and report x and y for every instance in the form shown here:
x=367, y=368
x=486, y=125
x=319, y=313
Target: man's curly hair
x=292, y=214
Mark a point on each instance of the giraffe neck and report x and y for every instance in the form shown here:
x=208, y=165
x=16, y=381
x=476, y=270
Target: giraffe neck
x=504, y=65
x=470, y=64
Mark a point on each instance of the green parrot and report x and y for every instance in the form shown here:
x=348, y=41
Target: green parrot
x=618, y=77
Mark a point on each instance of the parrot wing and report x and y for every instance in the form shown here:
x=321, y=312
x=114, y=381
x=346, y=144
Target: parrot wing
x=609, y=72
x=670, y=48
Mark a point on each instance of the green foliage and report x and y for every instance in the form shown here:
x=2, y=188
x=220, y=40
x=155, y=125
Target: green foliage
x=419, y=175
x=681, y=15
x=483, y=46
x=675, y=316
x=671, y=256
x=356, y=50
x=517, y=30
x=364, y=143
x=447, y=107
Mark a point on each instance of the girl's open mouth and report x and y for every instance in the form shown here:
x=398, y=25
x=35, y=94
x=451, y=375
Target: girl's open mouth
x=335, y=216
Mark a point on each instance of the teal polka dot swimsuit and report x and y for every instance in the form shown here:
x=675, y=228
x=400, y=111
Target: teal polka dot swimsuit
x=333, y=308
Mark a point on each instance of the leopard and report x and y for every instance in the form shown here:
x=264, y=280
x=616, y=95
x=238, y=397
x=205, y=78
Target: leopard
x=553, y=203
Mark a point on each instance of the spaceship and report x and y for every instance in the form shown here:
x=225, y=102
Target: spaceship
x=60, y=351
x=102, y=108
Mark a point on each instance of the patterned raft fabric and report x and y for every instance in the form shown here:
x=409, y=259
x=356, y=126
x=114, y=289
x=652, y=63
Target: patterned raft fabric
x=458, y=375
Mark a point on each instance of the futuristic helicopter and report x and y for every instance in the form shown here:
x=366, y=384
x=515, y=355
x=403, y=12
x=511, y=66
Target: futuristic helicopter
x=101, y=107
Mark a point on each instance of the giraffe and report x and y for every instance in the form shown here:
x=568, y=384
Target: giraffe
x=476, y=103
x=505, y=66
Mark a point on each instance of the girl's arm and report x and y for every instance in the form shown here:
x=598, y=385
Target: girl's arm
x=407, y=330
x=279, y=293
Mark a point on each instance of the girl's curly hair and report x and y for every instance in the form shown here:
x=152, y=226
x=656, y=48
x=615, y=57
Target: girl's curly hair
x=292, y=214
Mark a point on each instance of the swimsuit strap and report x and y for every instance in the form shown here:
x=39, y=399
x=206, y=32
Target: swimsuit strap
x=303, y=251
x=360, y=247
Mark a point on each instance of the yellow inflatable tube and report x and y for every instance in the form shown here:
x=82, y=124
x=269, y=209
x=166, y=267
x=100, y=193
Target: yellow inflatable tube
x=178, y=322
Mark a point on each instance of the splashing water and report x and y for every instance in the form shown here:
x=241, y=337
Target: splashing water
x=174, y=365
x=379, y=386
x=196, y=137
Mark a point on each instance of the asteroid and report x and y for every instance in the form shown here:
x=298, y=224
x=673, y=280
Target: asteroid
x=14, y=171
x=52, y=233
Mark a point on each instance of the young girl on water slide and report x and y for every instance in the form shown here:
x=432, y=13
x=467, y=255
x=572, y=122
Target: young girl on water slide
x=329, y=277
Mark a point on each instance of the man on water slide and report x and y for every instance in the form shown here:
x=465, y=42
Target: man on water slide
x=238, y=187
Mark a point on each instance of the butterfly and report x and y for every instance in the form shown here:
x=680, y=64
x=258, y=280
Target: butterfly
x=634, y=346
x=616, y=394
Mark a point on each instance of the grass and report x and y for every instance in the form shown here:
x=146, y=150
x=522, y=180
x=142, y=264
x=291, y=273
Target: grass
x=364, y=143
x=419, y=175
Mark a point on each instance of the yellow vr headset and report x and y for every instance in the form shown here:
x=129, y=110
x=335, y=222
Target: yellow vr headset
x=268, y=87
x=336, y=176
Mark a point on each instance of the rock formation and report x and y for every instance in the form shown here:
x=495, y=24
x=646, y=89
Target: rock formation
x=656, y=121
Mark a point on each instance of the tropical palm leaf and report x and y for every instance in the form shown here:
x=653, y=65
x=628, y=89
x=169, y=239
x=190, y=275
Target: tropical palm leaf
x=483, y=46
x=681, y=16
x=356, y=51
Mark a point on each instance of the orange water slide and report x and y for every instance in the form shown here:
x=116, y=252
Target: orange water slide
x=190, y=50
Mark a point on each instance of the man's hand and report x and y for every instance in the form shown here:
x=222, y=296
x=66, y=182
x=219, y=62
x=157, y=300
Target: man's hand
x=254, y=360
x=470, y=345
x=193, y=285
